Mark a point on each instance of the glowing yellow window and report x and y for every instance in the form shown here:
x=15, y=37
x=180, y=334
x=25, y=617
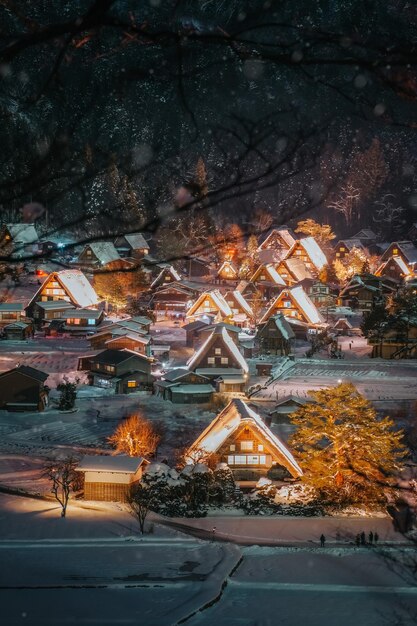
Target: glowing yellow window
x=395, y=251
x=131, y=383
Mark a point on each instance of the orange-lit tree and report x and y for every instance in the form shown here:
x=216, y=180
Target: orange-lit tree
x=347, y=454
x=136, y=436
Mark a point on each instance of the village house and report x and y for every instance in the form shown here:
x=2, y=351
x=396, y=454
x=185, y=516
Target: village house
x=210, y=305
x=363, y=292
x=406, y=250
x=23, y=389
x=228, y=271
x=195, y=267
x=293, y=271
x=309, y=252
x=240, y=438
x=295, y=303
x=366, y=236
x=132, y=245
x=11, y=312
x=110, y=331
x=220, y=359
x=395, y=269
x=98, y=254
x=44, y=313
x=180, y=386
x=342, y=326
x=232, y=330
x=70, y=286
x=125, y=339
x=173, y=299
x=110, y=478
x=320, y=294
x=18, y=331
x=267, y=280
x=242, y=312
x=80, y=321
x=275, y=336
x=344, y=246
x=166, y=276
x=122, y=370
x=281, y=414
x=279, y=240
x=18, y=240
x=192, y=332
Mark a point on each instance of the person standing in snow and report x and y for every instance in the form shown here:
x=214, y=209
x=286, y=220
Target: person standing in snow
x=363, y=538
x=322, y=540
x=358, y=540
x=376, y=537
x=371, y=537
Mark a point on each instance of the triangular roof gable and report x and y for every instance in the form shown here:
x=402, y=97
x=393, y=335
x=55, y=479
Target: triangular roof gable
x=227, y=263
x=75, y=285
x=404, y=269
x=240, y=301
x=219, y=304
x=285, y=237
x=268, y=268
x=313, y=251
x=235, y=415
x=229, y=344
x=300, y=301
x=165, y=270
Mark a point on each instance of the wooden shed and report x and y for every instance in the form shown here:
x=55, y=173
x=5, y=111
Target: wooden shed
x=109, y=478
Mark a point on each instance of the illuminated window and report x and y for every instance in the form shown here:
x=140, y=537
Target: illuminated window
x=395, y=251
x=224, y=360
x=91, y=322
x=337, y=254
x=88, y=252
x=232, y=447
x=240, y=459
x=342, y=249
x=260, y=447
x=211, y=360
x=287, y=304
x=217, y=350
x=75, y=320
x=231, y=460
x=253, y=460
x=109, y=368
x=131, y=383
x=262, y=277
x=246, y=445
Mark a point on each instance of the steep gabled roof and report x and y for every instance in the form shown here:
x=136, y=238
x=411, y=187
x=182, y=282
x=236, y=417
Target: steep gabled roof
x=302, y=301
x=351, y=243
x=104, y=251
x=313, y=250
x=234, y=416
x=365, y=233
x=244, y=305
x=31, y=372
x=218, y=301
x=269, y=269
x=75, y=283
x=136, y=241
x=297, y=268
x=23, y=234
x=404, y=269
x=229, y=344
x=168, y=269
x=284, y=234
x=282, y=325
x=230, y=264
x=11, y=307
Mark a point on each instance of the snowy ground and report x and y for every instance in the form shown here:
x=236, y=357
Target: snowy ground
x=91, y=568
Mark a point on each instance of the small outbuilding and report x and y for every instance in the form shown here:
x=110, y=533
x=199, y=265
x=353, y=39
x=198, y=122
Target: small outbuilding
x=109, y=478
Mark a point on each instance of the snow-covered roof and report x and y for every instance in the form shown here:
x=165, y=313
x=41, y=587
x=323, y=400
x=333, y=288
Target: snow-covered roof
x=218, y=301
x=365, y=233
x=82, y=314
x=218, y=372
x=78, y=287
x=228, y=342
x=129, y=335
x=137, y=241
x=342, y=322
x=283, y=326
x=409, y=250
x=55, y=305
x=403, y=267
x=104, y=251
x=297, y=268
x=11, y=306
x=242, y=302
x=168, y=269
x=23, y=233
x=269, y=269
x=116, y=464
x=284, y=234
x=235, y=415
x=351, y=243
x=302, y=301
x=315, y=253
x=229, y=264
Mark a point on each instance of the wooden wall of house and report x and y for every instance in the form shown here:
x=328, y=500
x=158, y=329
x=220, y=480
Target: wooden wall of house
x=211, y=353
x=19, y=388
x=108, y=492
x=122, y=343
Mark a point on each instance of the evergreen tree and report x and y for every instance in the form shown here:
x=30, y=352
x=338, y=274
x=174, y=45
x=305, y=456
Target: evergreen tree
x=223, y=476
x=68, y=394
x=347, y=454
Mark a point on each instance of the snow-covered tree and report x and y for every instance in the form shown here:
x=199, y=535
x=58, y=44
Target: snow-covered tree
x=68, y=395
x=63, y=478
x=135, y=436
